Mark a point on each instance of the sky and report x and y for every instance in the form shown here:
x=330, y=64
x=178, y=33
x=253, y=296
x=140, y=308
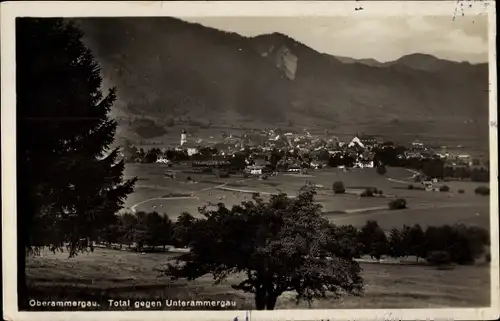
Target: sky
x=387, y=39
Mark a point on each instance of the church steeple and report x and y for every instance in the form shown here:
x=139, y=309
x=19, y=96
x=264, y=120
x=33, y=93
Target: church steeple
x=183, y=137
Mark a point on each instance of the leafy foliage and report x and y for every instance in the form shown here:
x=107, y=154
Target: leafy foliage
x=439, y=258
x=338, y=187
x=373, y=240
x=370, y=192
x=397, y=204
x=482, y=190
x=381, y=170
x=280, y=245
x=444, y=188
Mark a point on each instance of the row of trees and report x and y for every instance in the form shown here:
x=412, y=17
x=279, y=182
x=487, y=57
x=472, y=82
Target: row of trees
x=142, y=229
x=463, y=244
x=433, y=167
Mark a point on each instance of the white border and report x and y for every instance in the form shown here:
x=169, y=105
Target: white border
x=10, y=10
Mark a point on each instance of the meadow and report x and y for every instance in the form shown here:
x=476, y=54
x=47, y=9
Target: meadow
x=113, y=274
x=174, y=196
x=110, y=274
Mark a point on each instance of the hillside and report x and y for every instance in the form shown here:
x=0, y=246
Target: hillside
x=168, y=70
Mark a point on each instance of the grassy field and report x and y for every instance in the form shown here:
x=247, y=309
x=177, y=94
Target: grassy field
x=153, y=192
x=118, y=275
x=109, y=274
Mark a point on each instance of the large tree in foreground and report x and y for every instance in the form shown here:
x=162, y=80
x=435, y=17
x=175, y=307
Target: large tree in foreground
x=70, y=184
x=280, y=245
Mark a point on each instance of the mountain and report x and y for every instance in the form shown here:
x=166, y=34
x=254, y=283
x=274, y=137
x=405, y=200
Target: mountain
x=165, y=68
x=365, y=61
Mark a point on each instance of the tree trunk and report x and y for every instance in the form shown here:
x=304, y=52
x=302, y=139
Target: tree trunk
x=271, y=301
x=260, y=298
x=22, y=290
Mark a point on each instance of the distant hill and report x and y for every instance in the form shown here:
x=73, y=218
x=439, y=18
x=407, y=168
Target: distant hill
x=167, y=69
x=366, y=61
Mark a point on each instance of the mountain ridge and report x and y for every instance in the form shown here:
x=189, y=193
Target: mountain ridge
x=185, y=70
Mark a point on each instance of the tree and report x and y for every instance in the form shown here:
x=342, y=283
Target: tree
x=166, y=231
x=140, y=235
x=438, y=258
x=182, y=228
x=468, y=243
x=396, y=243
x=281, y=245
x=381, y=170
x=482, y=190
x=150, y=157
x=397, y=204
x=444, y=188
x=154, y=229
x=128, y=224
x=110, y=232
x=373, y=240
x=338, y=187
x=69, y=182
x=416, y=242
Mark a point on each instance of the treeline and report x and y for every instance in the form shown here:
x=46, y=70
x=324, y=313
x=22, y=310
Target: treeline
x=458, y=243
x=431, y=167
x=139, y=155
x=446, y=244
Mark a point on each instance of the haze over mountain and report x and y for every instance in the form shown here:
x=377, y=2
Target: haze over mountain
x=166, y=68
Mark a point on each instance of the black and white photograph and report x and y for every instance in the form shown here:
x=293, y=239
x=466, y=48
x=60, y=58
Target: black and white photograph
x=250, y=161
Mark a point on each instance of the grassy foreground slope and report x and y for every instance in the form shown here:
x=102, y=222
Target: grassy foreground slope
x=126, y=275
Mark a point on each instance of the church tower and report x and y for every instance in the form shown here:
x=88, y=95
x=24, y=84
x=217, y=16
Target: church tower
x=183, y=137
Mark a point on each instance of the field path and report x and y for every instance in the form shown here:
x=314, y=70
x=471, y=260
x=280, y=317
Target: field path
x=415, y=174
x=398, y=181
x=367, y=212
x=133, y=208
x=162, y=198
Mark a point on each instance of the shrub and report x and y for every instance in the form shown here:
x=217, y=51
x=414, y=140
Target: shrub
x=444, y=188
x=482, y=190
x=439, y=258
x=397, y=204
x=381, y=170
x=369, y=192
x=410, y=186
x=338, y=187
x=461, y=191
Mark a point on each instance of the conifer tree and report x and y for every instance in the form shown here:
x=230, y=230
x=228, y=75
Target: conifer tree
x=69, y=183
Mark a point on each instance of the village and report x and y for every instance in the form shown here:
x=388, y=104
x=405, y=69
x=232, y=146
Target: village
x=265, y=153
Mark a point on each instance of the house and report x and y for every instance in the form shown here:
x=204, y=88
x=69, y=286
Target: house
x=368, y=140
x=417, y=144
x=427, y=184
x=356, y=141
x=190, y=148
x=254, y=170
x=163, y=160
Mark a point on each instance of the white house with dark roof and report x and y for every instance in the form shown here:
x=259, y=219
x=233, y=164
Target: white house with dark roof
x=191, y=148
